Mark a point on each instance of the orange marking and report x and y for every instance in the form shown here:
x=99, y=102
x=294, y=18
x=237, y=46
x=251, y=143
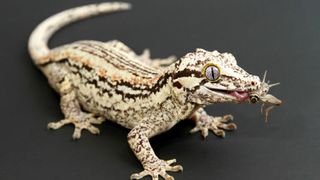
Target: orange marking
x=102, y=72
x=88, y=63
x=134, y=80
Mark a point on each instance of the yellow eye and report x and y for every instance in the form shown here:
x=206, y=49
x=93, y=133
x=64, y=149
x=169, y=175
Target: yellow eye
x=211, y=72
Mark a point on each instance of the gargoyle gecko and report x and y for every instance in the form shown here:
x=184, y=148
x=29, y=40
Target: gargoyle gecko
x=107, y=80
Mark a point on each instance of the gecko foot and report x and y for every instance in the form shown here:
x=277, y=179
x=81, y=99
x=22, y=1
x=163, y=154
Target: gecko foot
x=82, y=121
x=158, y=62
x=157, y=169
x=216, y=124
x=164, y=61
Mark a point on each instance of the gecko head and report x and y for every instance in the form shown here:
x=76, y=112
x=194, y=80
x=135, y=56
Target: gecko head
x=211, y=77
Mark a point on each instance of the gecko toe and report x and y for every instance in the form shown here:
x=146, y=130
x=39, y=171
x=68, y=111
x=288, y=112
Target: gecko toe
x=215, y=124
x=158, y=169
x=80, y=122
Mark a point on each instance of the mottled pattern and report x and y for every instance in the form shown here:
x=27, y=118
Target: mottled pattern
x=107, y=80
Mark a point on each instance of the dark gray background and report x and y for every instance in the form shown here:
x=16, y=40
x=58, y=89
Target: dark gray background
x=281, y=36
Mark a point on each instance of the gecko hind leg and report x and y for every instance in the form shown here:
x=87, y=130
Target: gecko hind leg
x=157, y=62
x=145, y=57
x=73, y=113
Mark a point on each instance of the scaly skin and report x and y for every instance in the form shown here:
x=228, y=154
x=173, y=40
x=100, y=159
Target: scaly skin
x=107, y=80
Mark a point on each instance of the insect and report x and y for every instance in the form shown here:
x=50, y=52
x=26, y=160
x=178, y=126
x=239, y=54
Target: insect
x=261, y=95
x=108, y=80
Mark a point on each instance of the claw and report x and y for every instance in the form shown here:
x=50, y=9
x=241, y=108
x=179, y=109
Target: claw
x=227, y=118
x=139, y=175
x=59, y=124
x=195, y=129
x=230, y=126
x=166, y=176
x=175, y=168
x=171, y=161
x=93, y=129
x=205, y=132
x=76, y=133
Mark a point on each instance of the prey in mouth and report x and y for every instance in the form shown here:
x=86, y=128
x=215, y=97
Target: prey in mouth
x=223, y=81
x=259, y=95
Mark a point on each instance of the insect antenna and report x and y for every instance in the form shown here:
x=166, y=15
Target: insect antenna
x=274, y=84
x=264, y=76
x=267, y=83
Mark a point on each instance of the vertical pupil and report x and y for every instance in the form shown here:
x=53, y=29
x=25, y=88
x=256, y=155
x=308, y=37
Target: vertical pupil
x=212, y=73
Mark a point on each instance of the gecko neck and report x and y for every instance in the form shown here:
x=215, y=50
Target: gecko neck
x=174, y=93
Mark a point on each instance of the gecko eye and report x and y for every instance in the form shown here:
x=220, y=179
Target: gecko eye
x=211, y=72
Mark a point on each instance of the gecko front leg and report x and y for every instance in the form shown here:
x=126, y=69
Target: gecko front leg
x=73, y=113
x=138, y=139
x=217, y=125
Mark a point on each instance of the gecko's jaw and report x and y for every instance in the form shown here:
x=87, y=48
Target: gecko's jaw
x=239, y=95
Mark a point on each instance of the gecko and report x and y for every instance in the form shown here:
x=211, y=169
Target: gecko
x=108, y=80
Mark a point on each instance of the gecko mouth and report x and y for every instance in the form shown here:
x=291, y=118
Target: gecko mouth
x=240, y=95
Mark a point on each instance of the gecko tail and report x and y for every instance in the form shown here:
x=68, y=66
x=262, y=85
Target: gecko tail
x=38, y=41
